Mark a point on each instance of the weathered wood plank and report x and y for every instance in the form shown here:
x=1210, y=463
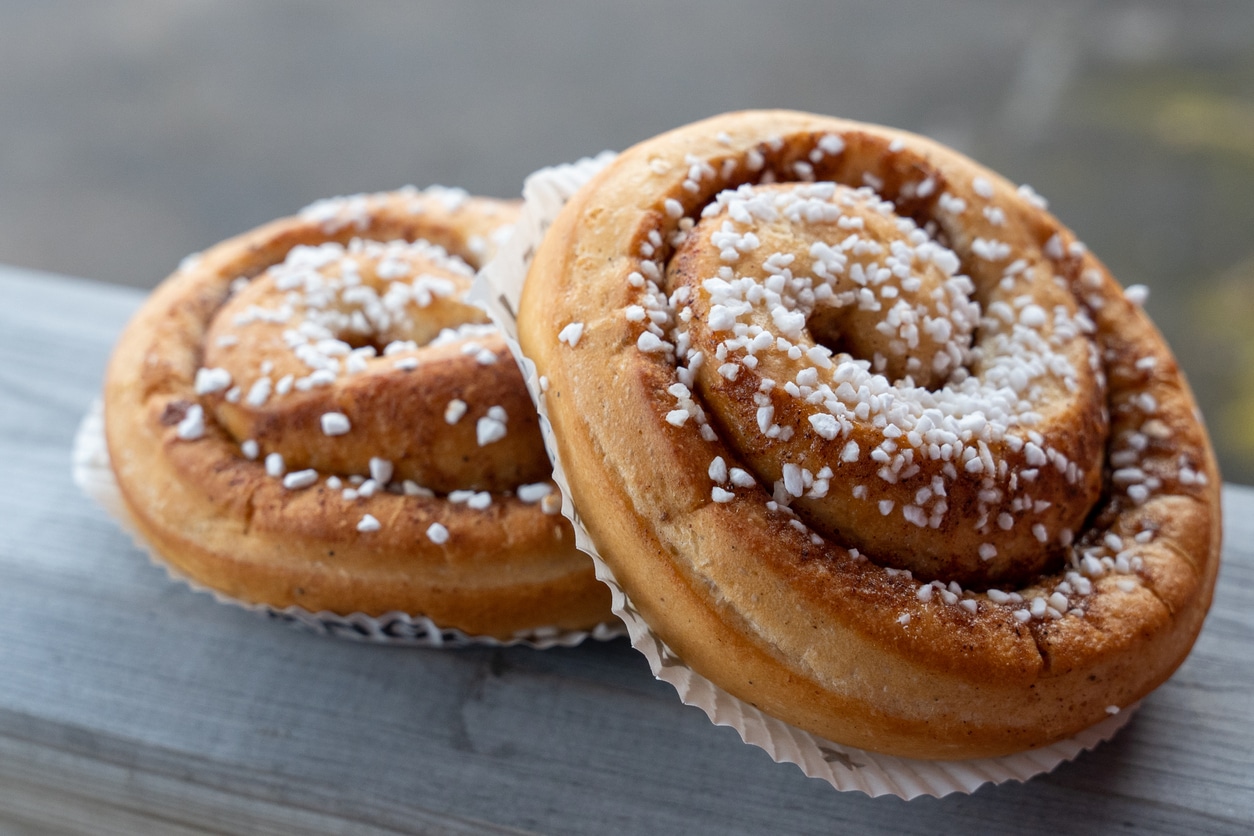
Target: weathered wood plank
x=124, y=696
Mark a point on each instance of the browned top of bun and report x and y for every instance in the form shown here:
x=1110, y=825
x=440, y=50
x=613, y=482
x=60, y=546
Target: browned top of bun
x=869, y=438
x=308, y=414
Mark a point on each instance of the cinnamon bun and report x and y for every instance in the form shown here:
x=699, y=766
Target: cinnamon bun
x=309, y=414
x=869, y=438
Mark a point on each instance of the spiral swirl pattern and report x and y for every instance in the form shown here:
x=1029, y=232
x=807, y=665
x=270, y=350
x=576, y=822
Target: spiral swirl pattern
x=870, y=438
x=310, y=415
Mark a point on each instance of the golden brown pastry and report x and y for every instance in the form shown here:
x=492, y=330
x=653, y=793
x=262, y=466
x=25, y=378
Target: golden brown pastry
x=309, y=415
x=869, y=439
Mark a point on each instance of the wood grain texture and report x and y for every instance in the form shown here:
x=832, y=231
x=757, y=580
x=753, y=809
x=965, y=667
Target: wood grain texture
x=126, y=699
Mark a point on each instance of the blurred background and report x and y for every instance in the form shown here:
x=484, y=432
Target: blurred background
x=133, y=132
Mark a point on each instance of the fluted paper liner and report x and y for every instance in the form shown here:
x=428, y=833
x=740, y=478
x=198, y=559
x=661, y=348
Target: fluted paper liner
x=498, y=288
x=94, y=477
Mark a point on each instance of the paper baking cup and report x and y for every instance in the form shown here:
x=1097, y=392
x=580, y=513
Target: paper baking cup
x=94, y=477
x=498, y=289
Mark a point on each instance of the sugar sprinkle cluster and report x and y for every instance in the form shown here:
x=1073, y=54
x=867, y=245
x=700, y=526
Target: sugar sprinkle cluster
x=992, y=391
x=336, y=302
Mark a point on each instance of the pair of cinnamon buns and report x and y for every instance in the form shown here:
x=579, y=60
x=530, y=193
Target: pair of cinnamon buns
x=868, y=438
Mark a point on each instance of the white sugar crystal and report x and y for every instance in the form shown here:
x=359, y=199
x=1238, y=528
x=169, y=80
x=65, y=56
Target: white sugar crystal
x=793, y=482
x=571, y=334
x=335, y=423
x=831, y=144
x=826, y=426
x=489, y=429
x=454, y=411
x=192, y=426
x=914, y=514
x=534, y=492
x=651, y=343
x=211, y=380
x=990, y=250
x=300, y=479
x=380, y=470
x=259, y=392
x=412, y=488
x=1029, y=194
x=1033, y=316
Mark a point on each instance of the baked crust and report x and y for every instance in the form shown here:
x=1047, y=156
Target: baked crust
x=216, y=514
x=878, y=649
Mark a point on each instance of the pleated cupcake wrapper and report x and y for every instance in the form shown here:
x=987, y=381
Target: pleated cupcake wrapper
x=498, y=288
x=94, y=476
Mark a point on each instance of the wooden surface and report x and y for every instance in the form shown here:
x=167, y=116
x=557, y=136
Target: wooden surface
x=129, y=704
